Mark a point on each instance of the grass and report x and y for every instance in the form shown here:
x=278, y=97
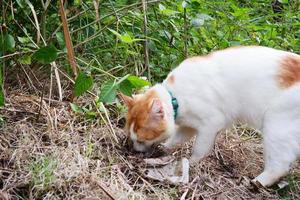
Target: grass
x=65, y=155
x=42, y=172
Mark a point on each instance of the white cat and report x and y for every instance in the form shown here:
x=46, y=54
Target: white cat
x=256, y=85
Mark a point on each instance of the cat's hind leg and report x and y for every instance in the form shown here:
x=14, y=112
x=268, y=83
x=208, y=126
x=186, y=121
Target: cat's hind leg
x=281, y=136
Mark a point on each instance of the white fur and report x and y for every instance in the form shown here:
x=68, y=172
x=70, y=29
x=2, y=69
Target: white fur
x=237, y=84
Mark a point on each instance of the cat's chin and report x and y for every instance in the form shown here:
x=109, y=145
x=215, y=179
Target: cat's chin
x=141, y=147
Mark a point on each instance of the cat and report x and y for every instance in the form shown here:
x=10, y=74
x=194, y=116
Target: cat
x=205, y=94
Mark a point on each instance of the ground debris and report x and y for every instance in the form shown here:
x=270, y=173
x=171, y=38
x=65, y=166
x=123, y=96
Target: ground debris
x=165, y=169
x=64, y=155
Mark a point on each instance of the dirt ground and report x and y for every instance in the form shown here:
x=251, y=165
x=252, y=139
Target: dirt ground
x=49, y=152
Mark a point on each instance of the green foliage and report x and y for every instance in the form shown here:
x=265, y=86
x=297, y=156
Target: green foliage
x=76, y=108
x=114, y=44
x=126, y=38
x=60, y=39
x=126, y=85
x=26, y=60
x=7, y=42
x=137, y=82
x=108, y=91
x=42, y=172
x=45, y=55
x=82, y=84
x=2, y=99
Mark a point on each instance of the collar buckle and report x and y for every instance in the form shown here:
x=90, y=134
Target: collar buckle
x=174, y=104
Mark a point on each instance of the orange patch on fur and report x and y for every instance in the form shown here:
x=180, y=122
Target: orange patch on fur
x=289, y=71
x=171, y=80
x=208, y=56
x=197, y=58
x=139, y=114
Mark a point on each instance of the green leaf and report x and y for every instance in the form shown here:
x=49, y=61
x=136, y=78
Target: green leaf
x=21, y=3
x=137, y=82
x=108, y=92
x=166, y=11
x=46, y=55
x=77, y=2
x=83, y=83
x=126, y=38
x=25, y=60
x=24, y=40
x=60, y=39
x=76, y=108
x=284, y=1
x=126, y=87
x=7, y=42
x=115, y=32
x=2, y=98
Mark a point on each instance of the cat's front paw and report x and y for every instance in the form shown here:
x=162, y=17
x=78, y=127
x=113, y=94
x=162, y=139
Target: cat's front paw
x=169, y=145
x=194, y=160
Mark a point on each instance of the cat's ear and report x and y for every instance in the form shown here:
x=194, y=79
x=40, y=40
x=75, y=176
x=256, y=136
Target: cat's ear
x=157, y=109
x=128, y=101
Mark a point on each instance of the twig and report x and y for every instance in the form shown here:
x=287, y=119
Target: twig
x=183, y=197
x=68, y=20
x=146, y=52
x=50, y=88
x=69, y=45
x=109, y=123
x=105, y=189
x=13, y=54
x=41, y=102
x=18, y=111
x=36, y=21
x=96, y=6
x=95, y=35
x=53, y=64
x=28, y=77
x=121, y=9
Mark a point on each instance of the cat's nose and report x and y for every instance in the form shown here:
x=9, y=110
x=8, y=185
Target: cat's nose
x=140, y=147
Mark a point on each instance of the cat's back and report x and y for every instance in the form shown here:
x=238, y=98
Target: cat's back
x=239, y=57
x=241, y=62
x=245, y=70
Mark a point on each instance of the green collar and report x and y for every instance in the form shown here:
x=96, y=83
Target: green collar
x=174, y=105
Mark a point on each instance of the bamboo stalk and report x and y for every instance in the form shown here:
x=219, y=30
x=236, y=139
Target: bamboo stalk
x=69, y=45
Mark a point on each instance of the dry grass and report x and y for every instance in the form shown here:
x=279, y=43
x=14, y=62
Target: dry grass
x=66, y=156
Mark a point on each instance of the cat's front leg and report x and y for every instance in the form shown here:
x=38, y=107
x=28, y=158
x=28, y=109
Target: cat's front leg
x=205, y=139
x=181, y=135
x=202, y=146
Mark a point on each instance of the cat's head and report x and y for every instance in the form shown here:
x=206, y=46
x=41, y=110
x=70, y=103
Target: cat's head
x=147, y=121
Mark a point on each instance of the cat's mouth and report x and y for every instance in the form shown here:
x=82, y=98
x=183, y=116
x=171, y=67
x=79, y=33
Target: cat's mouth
x=153, y=151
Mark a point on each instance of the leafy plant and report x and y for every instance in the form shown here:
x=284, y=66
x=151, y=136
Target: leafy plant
x=82, y=84
x=45, y=55
x=7, y=42
x=126, y=85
